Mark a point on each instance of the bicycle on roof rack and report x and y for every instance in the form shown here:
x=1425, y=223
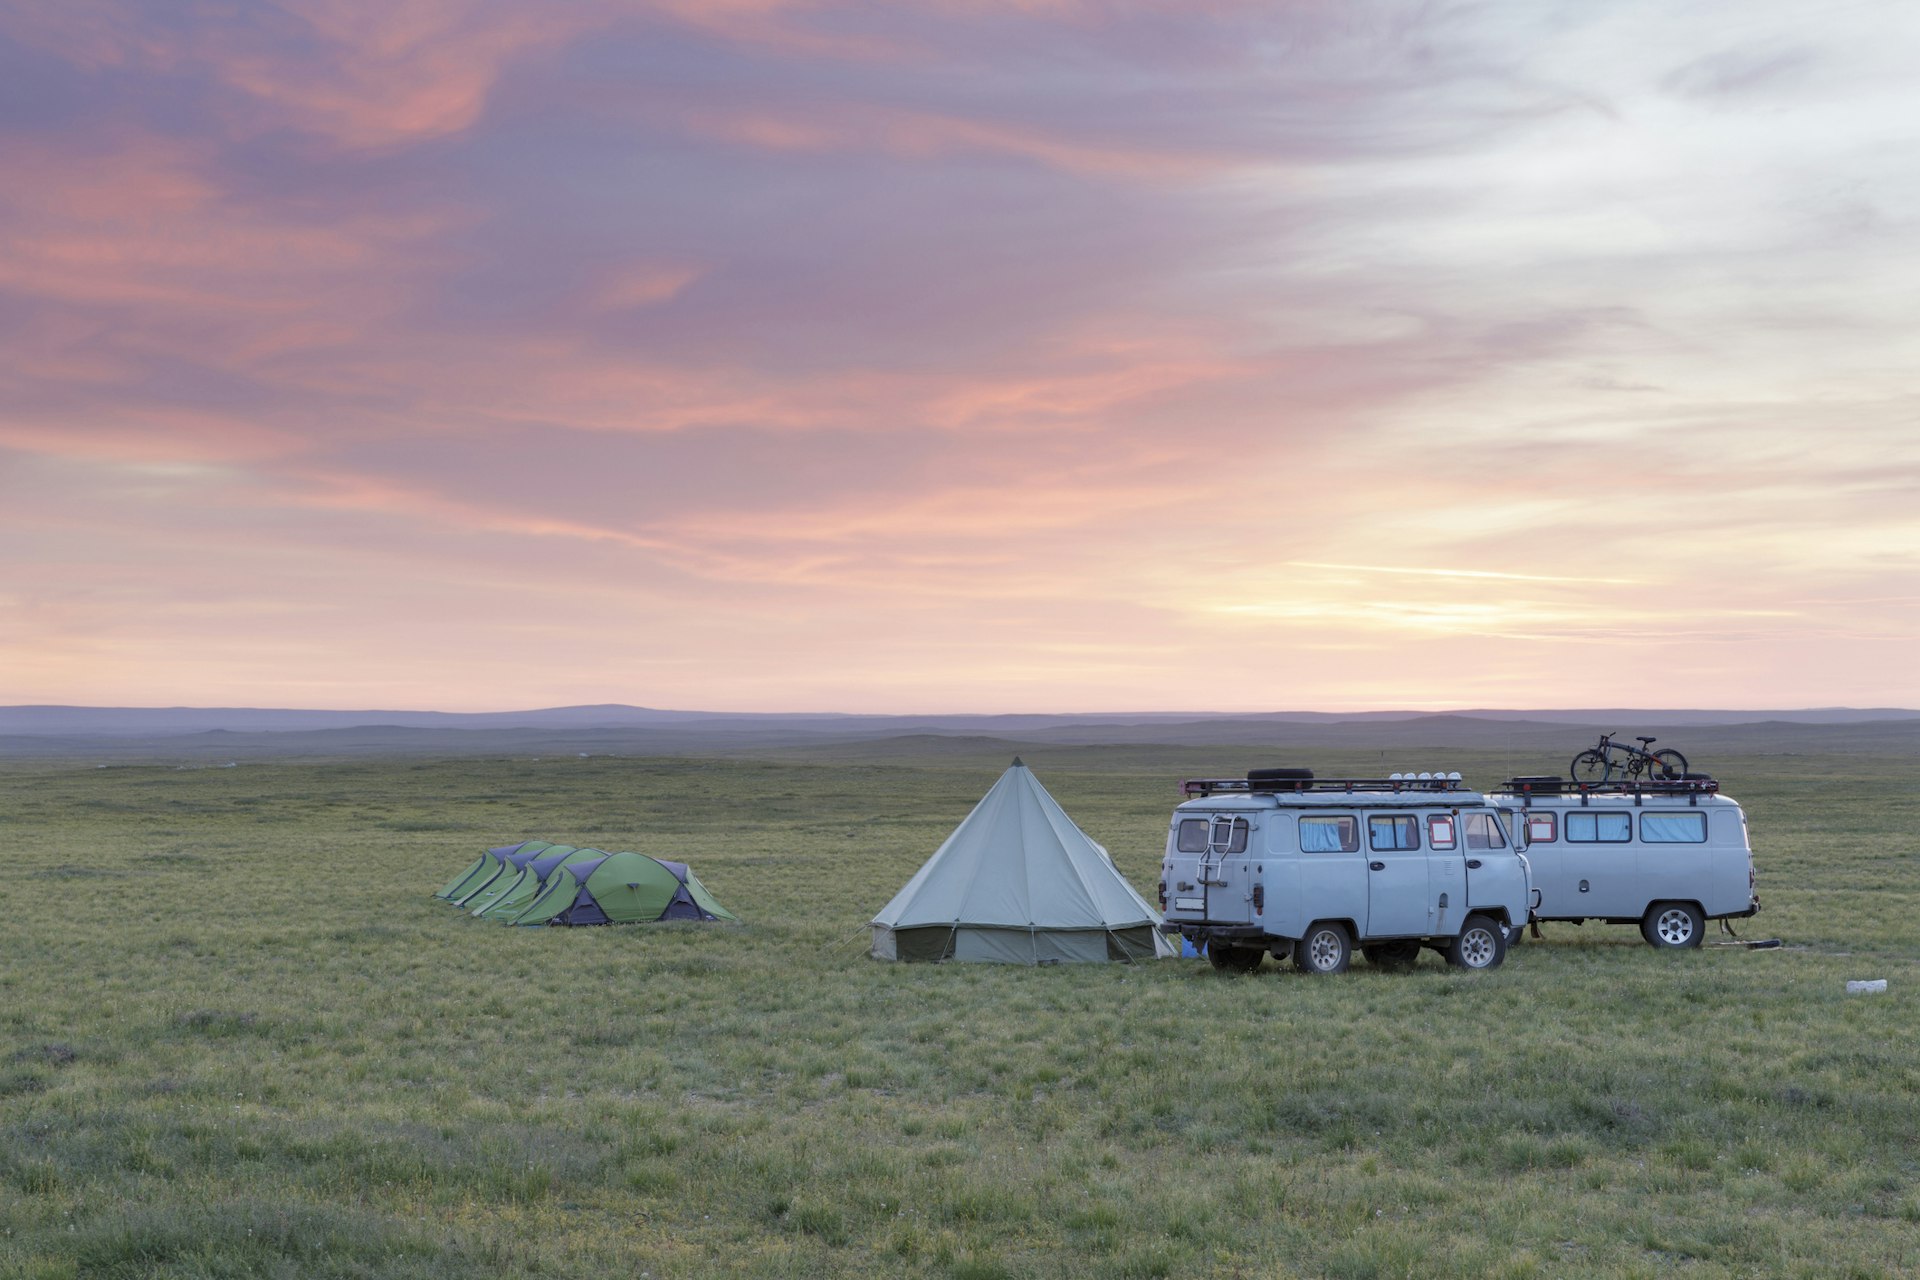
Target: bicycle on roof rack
x=1617, y=762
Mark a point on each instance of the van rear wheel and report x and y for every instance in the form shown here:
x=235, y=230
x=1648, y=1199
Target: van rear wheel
x=1673, y=926
x=1326, y=948
x=1234, y=959
x=1482, y=944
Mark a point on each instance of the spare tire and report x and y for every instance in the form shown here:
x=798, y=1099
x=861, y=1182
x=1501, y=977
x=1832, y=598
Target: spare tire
x=1537, y=780
x=1279, y=775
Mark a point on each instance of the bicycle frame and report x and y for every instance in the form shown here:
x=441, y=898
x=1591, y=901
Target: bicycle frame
x=1637, y=760
x=1616, y=759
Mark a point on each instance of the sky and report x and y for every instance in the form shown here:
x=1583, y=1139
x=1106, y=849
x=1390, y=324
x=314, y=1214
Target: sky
x=959, y=355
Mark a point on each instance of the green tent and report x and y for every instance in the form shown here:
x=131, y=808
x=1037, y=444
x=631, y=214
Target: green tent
x=533, y=877
x=496, y=888
x=483, y=869
x=622, y=888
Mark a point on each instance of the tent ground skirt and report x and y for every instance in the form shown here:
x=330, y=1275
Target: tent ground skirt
x=1013, y=946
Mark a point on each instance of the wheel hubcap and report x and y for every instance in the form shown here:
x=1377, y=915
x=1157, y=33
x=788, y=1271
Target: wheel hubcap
x=1674, y=927
x=1323, y=951
x=1476, y=948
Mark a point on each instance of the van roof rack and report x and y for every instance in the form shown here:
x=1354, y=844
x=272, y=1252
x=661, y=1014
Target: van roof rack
x=1693, y=786
x=1649, y=786
x=1316, y=786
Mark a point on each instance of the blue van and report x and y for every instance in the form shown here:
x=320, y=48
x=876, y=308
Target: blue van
x=1284, y=864
x=1667, y=855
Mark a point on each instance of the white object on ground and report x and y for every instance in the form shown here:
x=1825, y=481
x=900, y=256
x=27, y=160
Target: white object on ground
x=1871, y=984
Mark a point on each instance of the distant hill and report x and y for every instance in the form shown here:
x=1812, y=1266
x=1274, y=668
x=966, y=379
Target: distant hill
x=204, y=733
x=164, y=721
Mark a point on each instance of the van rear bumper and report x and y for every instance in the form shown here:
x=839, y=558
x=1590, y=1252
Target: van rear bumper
x=1198, y=931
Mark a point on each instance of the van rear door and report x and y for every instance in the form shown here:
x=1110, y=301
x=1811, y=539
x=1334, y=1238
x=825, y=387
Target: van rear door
x=1224, y=872
x=1210, y=861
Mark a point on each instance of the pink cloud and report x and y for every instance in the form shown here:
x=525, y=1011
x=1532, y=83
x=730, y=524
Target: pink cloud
x=362, y=73
x=642, y=284
x=921, y=135
x=140, y=222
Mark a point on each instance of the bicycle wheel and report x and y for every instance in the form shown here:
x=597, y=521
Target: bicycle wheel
x=1668, y=765
x=1590, y=767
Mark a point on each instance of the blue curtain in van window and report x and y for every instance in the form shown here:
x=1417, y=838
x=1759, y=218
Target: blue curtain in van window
x=1673, y=828
x=1320, y=837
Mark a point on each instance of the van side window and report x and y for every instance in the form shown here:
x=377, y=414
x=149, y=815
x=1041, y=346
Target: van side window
x=1440, y=832
x=1393, y=831
x=1673, y=828
x=1483, y=832
x=1540, y=828
x=1599, y=828
x=1324, y=834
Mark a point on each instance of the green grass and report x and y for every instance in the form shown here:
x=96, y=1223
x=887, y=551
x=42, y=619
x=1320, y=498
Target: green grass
x=238, y=1037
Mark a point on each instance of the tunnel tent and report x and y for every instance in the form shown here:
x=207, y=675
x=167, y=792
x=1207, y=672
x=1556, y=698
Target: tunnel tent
x=497, y=887
x=533, y=877
x=477, y=870
x=483, y=868
x=1019, y=883
x=622, y=888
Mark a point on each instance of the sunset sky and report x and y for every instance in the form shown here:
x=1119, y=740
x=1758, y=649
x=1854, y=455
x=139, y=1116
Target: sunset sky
x=948, y=356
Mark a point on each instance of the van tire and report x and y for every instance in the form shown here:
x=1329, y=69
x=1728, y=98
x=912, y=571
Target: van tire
x=1279, y=775
x=1395, y=956
x=1234, y=959
x=1482, y=944
x=1673, y=926
x=1326, y=947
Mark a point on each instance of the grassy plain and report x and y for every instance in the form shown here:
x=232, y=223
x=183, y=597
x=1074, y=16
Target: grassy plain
x=238, y=1037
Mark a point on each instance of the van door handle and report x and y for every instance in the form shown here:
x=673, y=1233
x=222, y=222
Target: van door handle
x=1473, y=864
x=1376, y=866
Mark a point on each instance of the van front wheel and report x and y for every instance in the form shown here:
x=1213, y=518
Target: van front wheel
x=1326, y=948
x=1482, y=944
x=1673, y=926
